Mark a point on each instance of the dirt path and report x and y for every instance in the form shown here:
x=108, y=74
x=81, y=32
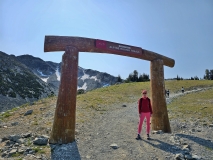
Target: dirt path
x=119, y=127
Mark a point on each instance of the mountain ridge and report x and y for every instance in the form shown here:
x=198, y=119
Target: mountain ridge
x=45, y=73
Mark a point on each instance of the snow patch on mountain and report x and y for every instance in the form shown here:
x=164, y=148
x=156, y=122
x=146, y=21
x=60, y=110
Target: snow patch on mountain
x=106, y=85
x=85, y=76
x=45, y=79
x=95, y=78
x=58, y=74
x=41, y=74
x=83, y=87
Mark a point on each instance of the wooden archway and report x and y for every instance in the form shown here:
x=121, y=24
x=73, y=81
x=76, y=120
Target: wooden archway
x=63, y=130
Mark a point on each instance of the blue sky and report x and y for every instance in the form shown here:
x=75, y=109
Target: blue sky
x=181, y=30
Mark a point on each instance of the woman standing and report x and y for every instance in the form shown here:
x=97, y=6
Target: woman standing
x=144, y=110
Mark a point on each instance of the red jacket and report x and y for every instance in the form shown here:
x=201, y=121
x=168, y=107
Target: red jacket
x=145, y=106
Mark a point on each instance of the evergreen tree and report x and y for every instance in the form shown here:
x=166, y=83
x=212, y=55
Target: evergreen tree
x=143, y=78
x=119, y=78
x=135, y=76
x=179, y=78
x=130, y=78
x=207, y=74
x=196, y=78
x=211, y=74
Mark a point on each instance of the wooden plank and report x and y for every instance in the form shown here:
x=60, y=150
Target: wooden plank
x=59, y=43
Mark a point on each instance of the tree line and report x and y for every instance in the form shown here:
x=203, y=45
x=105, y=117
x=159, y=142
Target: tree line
x=135, y=77
x=208, y=74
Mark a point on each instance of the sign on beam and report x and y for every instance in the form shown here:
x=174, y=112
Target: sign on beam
x=117, y=47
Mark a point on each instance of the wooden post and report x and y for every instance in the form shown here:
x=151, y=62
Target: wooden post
x=63, y=130
x=160, y=120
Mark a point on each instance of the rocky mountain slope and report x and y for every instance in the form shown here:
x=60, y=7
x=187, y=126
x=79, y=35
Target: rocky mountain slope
x=50, y=72
x=26, y=78
x=18, y=84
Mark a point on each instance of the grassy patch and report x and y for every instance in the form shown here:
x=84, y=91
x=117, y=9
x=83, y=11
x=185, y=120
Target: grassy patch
x=38, y=150
x=100, y=98
x=6, y=114
x=130, y=92
x=16, y=155
x=175, y=86
x=197, y=105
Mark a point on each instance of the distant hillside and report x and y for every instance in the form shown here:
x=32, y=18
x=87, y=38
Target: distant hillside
x=18, y=84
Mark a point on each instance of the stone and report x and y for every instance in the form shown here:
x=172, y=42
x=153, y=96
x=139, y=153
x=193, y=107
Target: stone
x=157, y=132
x=186, y=146
x=41, y=109
x=195, y=157
x=28, y=112
x=187, y=156
x=76, y=132
x=5, y=139
x=31, y=152
x=28, y=150
x=183, y=126
x=26, y=135
x=199, y=130
x=114, y=146
x=16, y=144
x=21, y=151
x=88, y=157
x=20, y=141
x=179, y=156
x=12, y=152
x=123, y=105
x=4, y=154
x=14, y=138
x=211, y=125
x=14, y=123
x=186, y=150
x=40, y=141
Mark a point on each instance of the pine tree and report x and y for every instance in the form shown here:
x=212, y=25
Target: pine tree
x=119, y=78
x=135, y=76
x=207, y=74
x=178, y=78
x=211, y=75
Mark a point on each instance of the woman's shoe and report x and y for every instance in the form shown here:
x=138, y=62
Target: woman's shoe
x=138, y=137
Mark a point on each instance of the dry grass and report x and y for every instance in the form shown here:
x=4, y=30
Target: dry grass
x=197, y=105
x=175, y=86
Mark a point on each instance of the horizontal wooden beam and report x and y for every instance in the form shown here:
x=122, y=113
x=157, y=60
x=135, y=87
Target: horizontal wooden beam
x=59, y=43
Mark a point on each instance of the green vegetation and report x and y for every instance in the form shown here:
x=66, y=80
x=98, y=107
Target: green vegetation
x=197, y=105
x=16, y=155
x=126, y=92
x=175, y=86
x=130, y=92
x=38, y=150
x=134, y=77
x=6, y=114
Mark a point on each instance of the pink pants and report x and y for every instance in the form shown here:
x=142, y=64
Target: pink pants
x=143, y=115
